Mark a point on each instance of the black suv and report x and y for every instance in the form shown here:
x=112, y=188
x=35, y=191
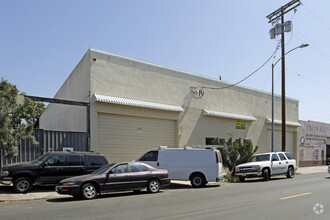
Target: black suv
x=50, y=168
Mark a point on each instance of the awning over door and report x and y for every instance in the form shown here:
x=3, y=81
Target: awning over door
x=288, y=123
x=228, y=115
x=136, y=103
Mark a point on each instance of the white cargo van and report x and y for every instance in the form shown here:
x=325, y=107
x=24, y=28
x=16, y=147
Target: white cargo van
x=197, y=165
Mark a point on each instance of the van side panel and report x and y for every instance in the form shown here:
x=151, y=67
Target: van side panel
x=182, y=163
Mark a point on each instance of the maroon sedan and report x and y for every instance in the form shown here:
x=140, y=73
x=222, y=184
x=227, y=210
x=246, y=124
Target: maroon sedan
x=115, y=177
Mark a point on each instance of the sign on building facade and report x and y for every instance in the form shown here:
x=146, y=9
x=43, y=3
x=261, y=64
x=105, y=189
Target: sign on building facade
x=314, y=143
x=240, y=125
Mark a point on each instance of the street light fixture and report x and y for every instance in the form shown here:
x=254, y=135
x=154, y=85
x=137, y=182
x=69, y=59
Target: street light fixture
x=301, y=46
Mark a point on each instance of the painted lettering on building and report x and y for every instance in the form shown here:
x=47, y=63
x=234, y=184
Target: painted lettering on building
x=314, y=128
x=240, y=125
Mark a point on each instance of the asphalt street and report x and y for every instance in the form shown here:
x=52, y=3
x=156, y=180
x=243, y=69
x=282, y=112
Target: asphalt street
x=303, y=197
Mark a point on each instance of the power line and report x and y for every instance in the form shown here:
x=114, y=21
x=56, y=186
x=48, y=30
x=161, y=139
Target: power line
x=226, y=87
x=314, y=117
x=290, y=39
x=262, y=108
x=294, y=13
x=313, y=45
x=308, y=79
x=323, y=23
x=258, y=111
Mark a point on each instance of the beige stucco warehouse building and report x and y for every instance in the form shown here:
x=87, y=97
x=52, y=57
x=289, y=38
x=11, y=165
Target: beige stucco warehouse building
x=135, y=106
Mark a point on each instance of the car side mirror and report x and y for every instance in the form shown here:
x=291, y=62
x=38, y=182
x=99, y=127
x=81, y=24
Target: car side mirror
x=44, y=164
x=110, y=172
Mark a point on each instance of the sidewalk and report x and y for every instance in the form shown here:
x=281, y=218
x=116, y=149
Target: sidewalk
x=7, y=194
x=311, y=170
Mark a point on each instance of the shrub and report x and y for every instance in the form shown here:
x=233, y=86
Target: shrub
x=236, y=152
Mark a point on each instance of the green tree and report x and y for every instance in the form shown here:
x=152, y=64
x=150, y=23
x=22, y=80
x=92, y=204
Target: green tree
x=236, y=153
x=16, y=121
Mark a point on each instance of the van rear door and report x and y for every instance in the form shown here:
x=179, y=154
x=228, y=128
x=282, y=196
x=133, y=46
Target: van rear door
x=219, y=165
x=150, y=158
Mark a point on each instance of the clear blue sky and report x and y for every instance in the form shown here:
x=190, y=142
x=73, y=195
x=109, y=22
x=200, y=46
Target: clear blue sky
x=42, y=42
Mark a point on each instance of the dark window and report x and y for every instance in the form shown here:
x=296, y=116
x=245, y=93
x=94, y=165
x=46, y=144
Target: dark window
x=212, y=141
x=275, y=157
x=150, y=156
x=96, y=160
x=74, y=160
x=122, y=168
x=282, y=157
x=289, y=156
x=209, y=141
x=42, y=159
x=56, y=160
x=103, y=169
x=138, y=168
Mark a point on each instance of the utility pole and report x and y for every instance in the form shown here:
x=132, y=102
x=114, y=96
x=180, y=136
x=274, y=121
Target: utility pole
x=279, y=29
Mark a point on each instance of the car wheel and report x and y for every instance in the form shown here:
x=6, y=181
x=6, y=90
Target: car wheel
x=290, y=173
x=242, y=179
x=197, y=180
x=89, y=191
x=265, y=174
x=153, y=186
x=23, y=184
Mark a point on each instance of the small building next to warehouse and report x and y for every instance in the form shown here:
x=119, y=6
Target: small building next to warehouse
x=314, y=145
x=136, y=106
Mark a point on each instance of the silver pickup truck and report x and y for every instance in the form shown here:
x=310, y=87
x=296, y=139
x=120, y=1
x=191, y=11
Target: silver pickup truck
x=266, y=165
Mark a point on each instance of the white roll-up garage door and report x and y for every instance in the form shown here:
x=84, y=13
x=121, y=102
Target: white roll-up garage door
x=125, y=138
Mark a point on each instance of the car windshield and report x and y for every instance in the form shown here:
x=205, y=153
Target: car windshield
x=262, y=157
x=41, y=159
x=103, y=169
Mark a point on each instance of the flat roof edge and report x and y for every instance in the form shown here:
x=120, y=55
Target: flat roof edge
x=93, y=50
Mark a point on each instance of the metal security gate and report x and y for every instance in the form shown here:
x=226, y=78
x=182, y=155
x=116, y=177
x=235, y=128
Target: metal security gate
x=48, y=141
x=57, y=140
